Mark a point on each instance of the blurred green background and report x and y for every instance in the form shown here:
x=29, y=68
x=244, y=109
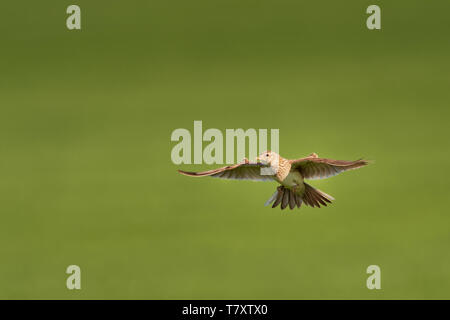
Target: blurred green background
x=86, y=176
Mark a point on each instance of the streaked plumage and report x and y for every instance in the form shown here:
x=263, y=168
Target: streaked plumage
x=293, y=191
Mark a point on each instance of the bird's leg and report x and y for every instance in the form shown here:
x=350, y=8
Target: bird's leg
x=245, y=160
x=314, y=155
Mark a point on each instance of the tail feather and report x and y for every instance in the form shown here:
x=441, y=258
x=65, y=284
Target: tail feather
x=298, y=200
x=279, y=197
x=272, y=198
x=311, y=197
x=314, y=197
x=308, y=199
x=285, y=201
x=292, y=203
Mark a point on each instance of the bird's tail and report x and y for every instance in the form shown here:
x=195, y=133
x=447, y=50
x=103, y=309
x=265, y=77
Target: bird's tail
x=314, y=197
x=310, y=196
x=285, y=197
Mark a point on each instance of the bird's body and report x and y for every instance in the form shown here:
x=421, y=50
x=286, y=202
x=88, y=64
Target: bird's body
x=293, y=179
x=285, y=176
x=290, y=174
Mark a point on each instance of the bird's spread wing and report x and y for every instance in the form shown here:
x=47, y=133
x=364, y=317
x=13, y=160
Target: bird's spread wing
x=313, y=167
x=241, y=171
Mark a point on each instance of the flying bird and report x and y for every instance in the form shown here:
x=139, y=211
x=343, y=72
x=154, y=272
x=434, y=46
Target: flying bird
x=290, y=174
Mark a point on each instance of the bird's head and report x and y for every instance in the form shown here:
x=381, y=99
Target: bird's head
x=267, y=157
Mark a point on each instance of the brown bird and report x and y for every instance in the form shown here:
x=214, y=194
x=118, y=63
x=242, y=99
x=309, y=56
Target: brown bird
x=289, y=173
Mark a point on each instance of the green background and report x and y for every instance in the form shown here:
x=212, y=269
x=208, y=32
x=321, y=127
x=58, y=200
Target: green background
x=86, y=176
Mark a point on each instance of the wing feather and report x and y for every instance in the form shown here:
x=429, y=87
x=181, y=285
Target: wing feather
x=320, y=168
x=240, y=171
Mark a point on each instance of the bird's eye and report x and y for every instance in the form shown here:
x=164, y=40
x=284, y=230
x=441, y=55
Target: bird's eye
x=267, y=154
